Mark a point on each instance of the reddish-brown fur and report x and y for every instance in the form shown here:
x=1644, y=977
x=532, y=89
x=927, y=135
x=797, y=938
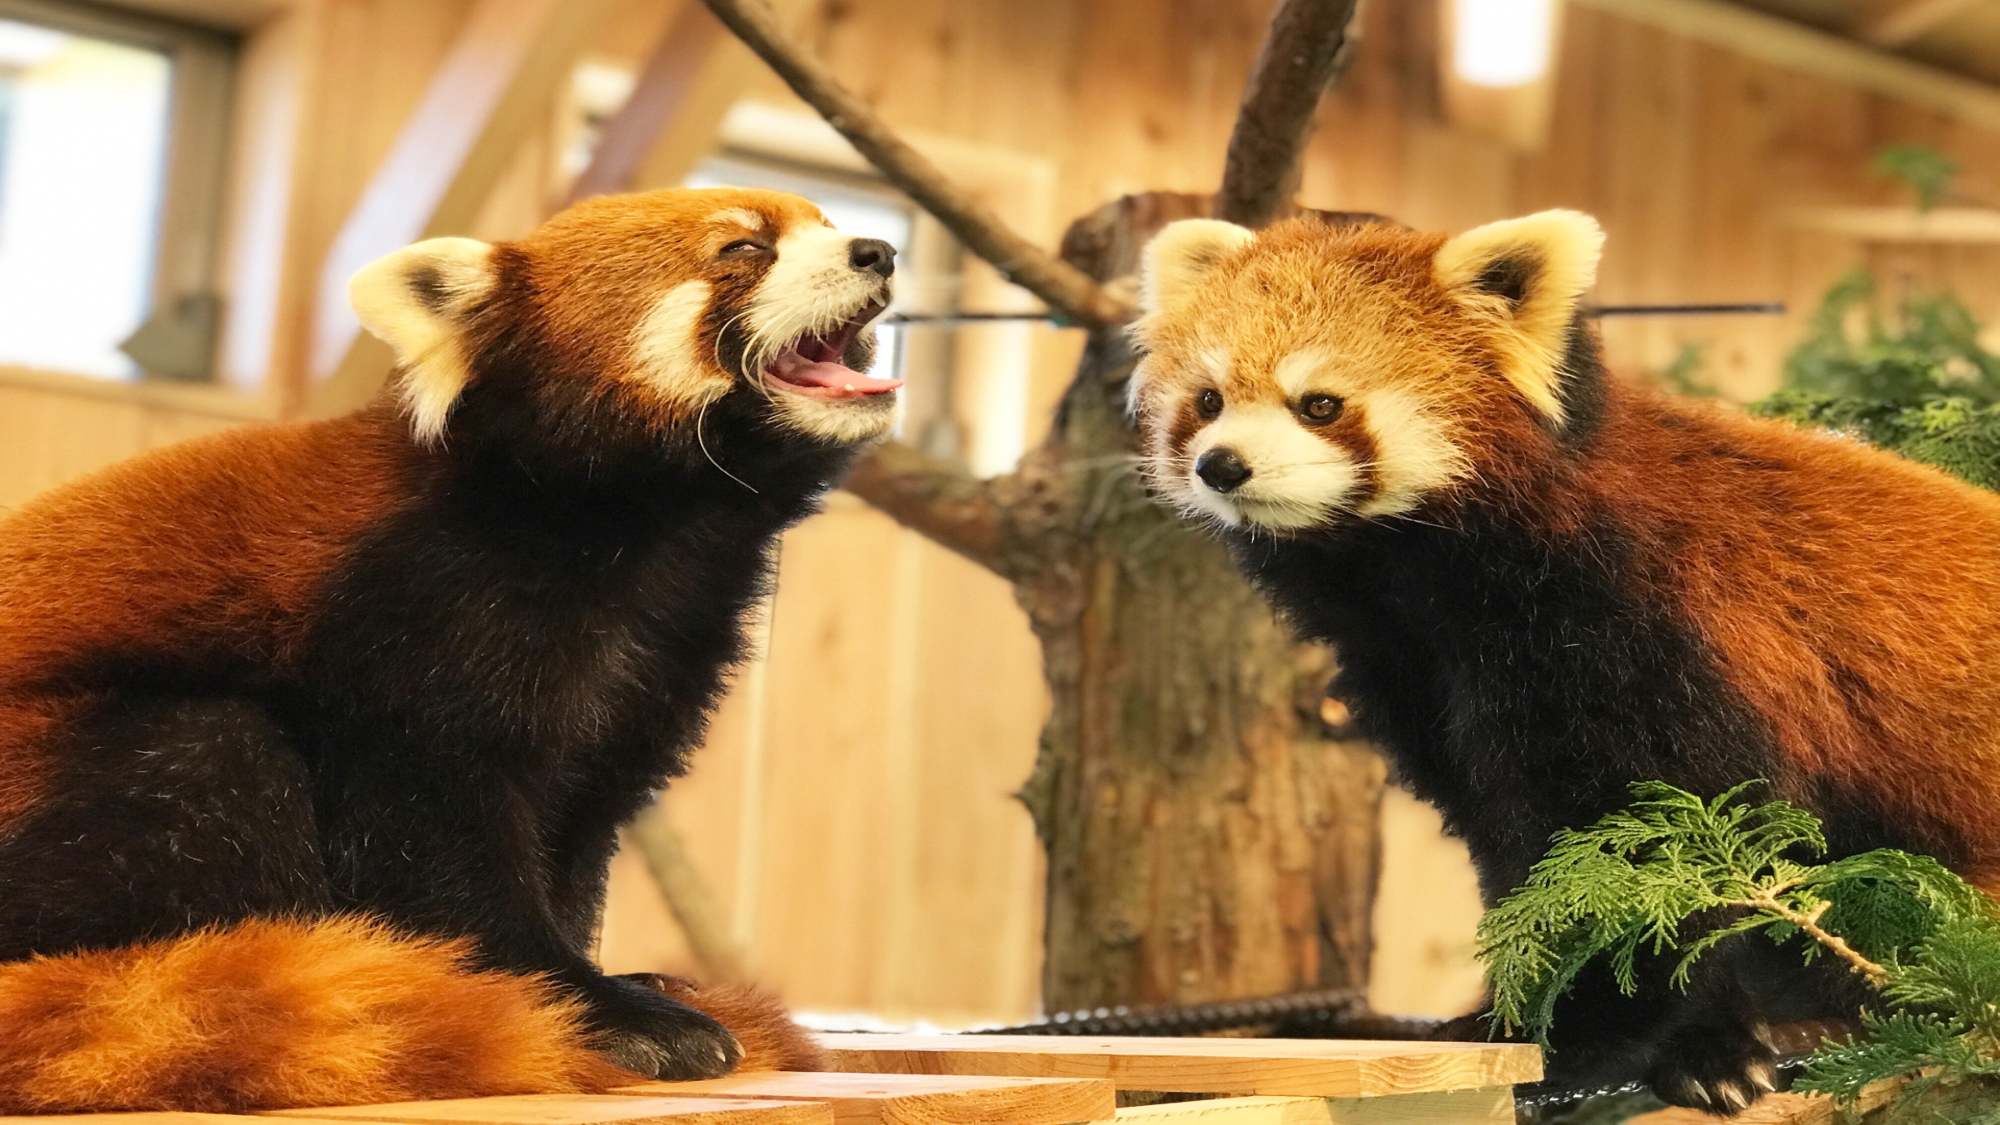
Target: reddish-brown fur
x=1801, y=579
x=216, y=551
x=267, y=1013
x=229, y=556
x=336, y=1012
x=1910, y=711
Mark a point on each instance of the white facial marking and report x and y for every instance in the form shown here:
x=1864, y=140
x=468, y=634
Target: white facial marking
x=1295, y=373
x=842, y=421
x=811, y=287
x=1296, y=478
x=739, y=216
x=1214, y=361
x=1413, y=454
x=666, y=352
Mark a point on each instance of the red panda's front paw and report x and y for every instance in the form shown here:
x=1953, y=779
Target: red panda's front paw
x=1718, y=1067
x=640, y=1028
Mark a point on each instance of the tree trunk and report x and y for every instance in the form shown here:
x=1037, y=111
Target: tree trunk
x=1204, y=840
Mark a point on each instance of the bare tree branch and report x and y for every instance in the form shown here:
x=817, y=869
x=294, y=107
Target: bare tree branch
x=1308, y=46
x=687, y=896
x=1065, y=289
x=936, y=499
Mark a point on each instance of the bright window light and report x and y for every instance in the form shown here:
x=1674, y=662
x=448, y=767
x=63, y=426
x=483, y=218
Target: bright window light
x=1501, y=42
x=83, y=130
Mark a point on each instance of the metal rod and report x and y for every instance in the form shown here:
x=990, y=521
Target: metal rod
x=1755, y=308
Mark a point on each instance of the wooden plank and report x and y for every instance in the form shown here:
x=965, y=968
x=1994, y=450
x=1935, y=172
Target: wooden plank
x=161, y=1117
x=1808, y=50
x=1312, y=1067
x=153, y=1118
x=914, y=1099
x=1466, y=1107
x=580, y=1109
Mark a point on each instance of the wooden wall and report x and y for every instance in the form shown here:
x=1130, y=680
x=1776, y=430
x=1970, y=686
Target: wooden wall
x=852, y=811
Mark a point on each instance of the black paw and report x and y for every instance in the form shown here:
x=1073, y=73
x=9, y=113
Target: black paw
x=1718, y=1067
x=637, y=1026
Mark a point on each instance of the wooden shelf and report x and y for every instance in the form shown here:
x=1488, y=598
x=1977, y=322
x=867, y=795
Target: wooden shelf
x=1299, y=1067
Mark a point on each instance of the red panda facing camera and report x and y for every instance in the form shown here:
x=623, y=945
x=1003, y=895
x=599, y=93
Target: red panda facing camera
x=1545, y=584
x=315, y=738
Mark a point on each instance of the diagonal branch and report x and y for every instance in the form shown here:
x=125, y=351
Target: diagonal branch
x=1066, y=289
x=936, y=499
x=1308, y=46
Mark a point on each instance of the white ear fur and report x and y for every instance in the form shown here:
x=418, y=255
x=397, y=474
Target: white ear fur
x=412, y=300
x=1528, y=274
x=1180, y=255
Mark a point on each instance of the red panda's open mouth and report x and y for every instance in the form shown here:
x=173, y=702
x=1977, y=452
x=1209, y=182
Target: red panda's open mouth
x=813, y=364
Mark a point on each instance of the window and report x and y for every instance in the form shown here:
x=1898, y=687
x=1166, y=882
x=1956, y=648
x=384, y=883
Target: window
x=110, y=172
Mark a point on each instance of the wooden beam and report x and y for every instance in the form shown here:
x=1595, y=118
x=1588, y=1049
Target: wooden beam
x=493, y=87
x=1808, y=50
x=1895, y=23
x=682, y=70
x=1943, y=226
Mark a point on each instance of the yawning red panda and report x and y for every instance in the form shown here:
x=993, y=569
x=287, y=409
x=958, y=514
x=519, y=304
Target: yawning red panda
x=315, y=738
x=1545, y=584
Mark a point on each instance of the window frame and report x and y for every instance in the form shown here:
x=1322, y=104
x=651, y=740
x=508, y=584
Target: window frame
x=187, y=229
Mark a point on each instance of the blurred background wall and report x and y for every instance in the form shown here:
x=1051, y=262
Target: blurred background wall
x=851, y=815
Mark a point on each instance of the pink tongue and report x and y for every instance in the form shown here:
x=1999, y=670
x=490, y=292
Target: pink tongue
x=797, y=369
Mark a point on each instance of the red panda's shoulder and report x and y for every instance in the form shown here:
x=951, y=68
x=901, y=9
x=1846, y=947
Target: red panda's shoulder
x=202, y=543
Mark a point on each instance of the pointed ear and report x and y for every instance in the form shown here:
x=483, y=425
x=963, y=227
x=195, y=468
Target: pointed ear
x=1180, y=255
x=1528, y=274
x=416, y=301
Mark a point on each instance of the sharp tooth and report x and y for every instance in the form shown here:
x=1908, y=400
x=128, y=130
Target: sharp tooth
x=850, y=387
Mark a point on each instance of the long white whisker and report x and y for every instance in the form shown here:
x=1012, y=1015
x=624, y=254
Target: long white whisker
x=703, y=443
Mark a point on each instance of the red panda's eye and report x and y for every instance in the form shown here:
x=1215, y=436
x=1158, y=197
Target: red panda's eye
x=1320, y=408
x=1208, y=403
x=743, y=246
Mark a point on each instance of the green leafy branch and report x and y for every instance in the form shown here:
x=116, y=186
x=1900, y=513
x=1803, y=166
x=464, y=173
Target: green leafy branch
x=1912, y=378
x=1674, y=876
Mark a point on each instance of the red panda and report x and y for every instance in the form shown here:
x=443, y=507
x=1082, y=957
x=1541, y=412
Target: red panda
x=315, y=738
x=1545, y=584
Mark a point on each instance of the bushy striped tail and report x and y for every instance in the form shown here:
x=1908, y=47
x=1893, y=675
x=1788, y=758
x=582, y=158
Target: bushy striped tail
x=282, y=1013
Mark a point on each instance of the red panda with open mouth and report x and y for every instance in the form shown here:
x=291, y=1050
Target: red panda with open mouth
x=315, y=738
x=1545, y=584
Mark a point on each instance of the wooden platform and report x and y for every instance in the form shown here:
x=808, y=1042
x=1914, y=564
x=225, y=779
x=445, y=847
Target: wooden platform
x=1018, y=1080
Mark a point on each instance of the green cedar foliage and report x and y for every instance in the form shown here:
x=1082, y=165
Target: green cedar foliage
x=1674, y=875
x=1916, y=381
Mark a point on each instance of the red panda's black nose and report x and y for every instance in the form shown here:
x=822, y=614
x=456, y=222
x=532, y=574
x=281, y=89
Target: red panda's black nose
x=1221, y=469
x=873, y=255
